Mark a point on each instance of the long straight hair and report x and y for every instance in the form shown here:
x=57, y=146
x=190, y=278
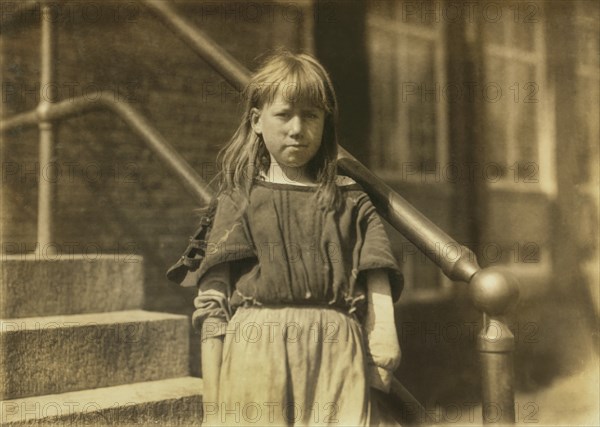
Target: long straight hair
x=297, y=77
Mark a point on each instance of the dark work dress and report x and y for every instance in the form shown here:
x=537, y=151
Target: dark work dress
x=284, y=282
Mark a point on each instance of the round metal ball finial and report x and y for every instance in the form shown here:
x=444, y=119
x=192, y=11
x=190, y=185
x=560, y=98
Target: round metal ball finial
x=493, y=290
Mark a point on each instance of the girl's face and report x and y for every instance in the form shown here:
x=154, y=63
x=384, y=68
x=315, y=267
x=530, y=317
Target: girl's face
x=292, y=131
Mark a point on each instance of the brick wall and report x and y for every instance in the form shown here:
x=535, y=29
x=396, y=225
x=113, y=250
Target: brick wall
x=113, y=194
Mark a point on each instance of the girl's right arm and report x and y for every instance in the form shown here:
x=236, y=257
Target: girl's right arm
x=212, y=316
x=211, y=357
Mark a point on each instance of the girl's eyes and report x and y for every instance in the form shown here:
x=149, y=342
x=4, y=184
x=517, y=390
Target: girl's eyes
x=306, y=115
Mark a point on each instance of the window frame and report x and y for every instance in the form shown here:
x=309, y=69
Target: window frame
x=545, y=179
x=398, y=30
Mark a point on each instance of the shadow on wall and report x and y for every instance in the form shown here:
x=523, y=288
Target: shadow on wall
x=440, y=363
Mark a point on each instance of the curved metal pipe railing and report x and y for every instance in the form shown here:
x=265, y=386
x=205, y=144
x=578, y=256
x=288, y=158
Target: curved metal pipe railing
x=108, y=100
x=12, y=10
x=232, y=71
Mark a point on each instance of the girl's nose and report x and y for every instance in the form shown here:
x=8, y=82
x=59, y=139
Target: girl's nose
x=295, y=125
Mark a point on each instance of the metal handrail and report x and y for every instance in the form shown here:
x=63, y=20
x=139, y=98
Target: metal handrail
x=12, y=9
x=492, y=290
x=233, y=72
x=109, y=101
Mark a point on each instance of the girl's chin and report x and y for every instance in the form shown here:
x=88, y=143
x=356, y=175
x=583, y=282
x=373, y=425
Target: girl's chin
x=292, y=163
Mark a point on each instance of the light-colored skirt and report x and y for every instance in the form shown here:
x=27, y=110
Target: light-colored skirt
x=293, y=366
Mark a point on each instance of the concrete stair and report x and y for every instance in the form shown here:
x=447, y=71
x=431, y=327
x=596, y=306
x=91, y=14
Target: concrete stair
x=54, y=354
x=175, y=401
x=79, y=349
x=72, y=284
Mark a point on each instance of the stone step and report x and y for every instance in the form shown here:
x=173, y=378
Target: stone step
x=175, y=401
x=69, y=284
x=46, y=355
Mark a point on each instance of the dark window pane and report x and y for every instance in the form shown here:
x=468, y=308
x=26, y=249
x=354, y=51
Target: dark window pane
x=420, y=100
x=590, y=49
x=588, y=126
x=382, y=8
x=382, y=93
x=526, y=113
x=495, y=32
x=523, y=34
x=588, y=26
x=497, y=112
x=421, y=12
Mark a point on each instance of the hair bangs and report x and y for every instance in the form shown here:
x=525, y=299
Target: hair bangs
x=295, y=81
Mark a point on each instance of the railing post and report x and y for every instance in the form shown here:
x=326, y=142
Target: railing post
x=46, y=185
x=494, y=290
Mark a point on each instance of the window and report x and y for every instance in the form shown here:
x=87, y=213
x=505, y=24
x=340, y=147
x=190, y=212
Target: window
x=407, y=63
x=518, y=134
x=588, y=77
x=588, y=94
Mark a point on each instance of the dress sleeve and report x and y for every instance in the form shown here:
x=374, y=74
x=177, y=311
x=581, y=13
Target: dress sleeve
x=374, y=249
x=229, y=241
x=212, y=302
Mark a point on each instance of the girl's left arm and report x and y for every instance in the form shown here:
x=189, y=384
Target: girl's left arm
x=380, y=327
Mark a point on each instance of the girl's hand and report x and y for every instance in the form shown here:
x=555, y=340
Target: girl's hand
x=380, y=327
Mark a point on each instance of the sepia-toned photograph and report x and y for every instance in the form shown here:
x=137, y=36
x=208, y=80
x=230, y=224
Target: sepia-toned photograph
x=300, y=213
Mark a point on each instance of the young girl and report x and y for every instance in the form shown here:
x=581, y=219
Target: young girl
x=296, y=290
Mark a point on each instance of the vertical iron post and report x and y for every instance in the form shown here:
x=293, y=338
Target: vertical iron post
x=47, y=131
x=494, y=290
x=496, y=345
